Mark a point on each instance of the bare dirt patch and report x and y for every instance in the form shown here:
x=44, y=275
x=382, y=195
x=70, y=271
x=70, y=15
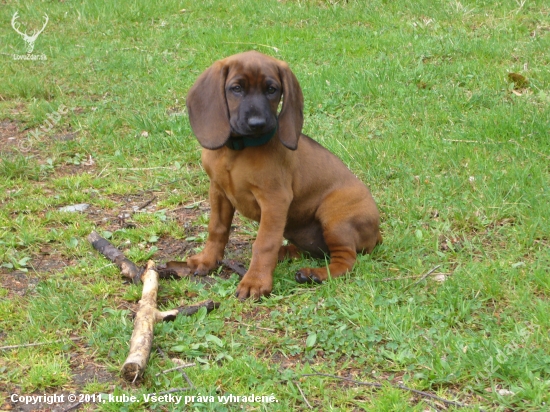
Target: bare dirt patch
x=169, y=248
x=18, y=282
x=286, y=361
x=85, y=370
x=89, y=373
x=9, y=136
x=50, y=261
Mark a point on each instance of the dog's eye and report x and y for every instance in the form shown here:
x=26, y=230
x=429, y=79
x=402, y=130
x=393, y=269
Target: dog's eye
x=271, y=90
x=237, y=88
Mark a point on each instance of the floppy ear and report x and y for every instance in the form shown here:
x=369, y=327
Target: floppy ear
x=207, y=108
x=291, y=117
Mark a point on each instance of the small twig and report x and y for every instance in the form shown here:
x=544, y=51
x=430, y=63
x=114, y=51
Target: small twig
x=399, y=386
x=100, y=173
x=309, y=289
x=170, y=315
x=408, y=277
x=254, y=326
x=143, y=206
x=428, y=273
x=466, y=141
x=397, y=278
x=161, y=352
x=194, y=205
x=191, y=385
x=103, y=267
x=187, y=365
x=302, y=393
x=275, y=49
x=133, y=48
x=347, y=151
x=343, y=378
x=134, y=169
x=28, y=345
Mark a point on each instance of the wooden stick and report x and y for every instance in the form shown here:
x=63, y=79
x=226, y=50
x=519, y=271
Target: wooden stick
x=147, y=314
x=254, y=326
x=142, y=337
x=169, y=315
x=128, y=269
x=235, y=266
x=146, y=317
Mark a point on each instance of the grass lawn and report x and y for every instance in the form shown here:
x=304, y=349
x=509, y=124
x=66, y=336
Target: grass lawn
x=441, y=108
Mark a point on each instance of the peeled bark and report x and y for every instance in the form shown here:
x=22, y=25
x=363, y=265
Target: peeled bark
x=146, y=317
x=142, y=337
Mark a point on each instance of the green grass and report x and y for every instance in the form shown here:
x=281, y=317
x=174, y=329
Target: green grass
x=416, y=100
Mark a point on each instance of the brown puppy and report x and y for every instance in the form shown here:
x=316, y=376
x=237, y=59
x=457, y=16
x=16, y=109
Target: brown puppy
x=260, y=164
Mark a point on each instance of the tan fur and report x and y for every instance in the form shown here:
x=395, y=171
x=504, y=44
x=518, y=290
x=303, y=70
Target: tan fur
x=293, y=186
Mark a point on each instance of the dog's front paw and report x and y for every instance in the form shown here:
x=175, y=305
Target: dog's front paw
x=311, y=275
x=254, y=286
x=201, y=264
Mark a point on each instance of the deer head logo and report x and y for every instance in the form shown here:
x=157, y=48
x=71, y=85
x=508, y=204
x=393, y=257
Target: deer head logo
x=28, y=39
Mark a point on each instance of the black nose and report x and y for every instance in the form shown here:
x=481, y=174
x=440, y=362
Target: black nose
x=256, y=122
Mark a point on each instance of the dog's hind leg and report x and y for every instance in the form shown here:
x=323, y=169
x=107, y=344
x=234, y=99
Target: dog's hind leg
x=342, y=257
x=345, y=235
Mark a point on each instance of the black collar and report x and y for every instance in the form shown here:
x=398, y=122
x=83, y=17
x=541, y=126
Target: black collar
x=240, y=142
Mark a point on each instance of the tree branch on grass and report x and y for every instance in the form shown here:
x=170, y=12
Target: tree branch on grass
x=146, y=317
x=128, y=269
x=147, y=314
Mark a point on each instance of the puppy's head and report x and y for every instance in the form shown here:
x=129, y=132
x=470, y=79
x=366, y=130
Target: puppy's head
x=239, y=96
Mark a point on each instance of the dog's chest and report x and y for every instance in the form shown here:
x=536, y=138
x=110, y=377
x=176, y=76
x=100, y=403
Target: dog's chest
x=236, y=182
